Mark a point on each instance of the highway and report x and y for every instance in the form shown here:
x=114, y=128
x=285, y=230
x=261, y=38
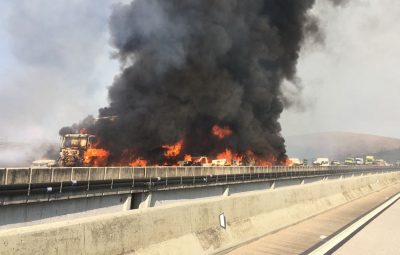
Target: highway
x=316, y=235
x=379, y=237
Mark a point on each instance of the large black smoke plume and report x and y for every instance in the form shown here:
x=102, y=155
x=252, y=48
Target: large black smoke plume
x=188, y=65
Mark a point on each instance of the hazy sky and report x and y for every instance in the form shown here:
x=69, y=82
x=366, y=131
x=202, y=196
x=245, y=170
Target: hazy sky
x=352, y=82
x=55, y=65
x=55, y=68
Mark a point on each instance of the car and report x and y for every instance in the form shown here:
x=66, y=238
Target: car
x=335, y=163
x=44, y=163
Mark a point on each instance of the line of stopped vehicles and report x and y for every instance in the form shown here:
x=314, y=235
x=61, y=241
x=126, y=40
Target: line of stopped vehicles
x=367, y=160
x=76, y=148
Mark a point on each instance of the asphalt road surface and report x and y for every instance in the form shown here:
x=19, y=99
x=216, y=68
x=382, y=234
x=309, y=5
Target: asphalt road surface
x=380, y=236
x=301, y=237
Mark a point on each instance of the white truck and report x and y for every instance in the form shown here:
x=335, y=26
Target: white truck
x=44, y=163
x=296, y=162
x=321, y=162
x=359, y=161
x=369, y=160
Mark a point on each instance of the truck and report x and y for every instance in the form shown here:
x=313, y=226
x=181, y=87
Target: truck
x=321, y=162
x=359, y=161
x=350, y=161
x=369, y=160
x=197, y=161
x=380, y=162
x=75, y=150
x=295, y=162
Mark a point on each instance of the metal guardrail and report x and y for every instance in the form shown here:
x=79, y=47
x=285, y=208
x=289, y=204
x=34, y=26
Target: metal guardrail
x=29, y=181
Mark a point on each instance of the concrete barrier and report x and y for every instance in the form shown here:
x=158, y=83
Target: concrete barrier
x=10, y=176
x=191, y=227
x=2, y=175
x=15, y=214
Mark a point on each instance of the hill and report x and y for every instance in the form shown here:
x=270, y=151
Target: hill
x=338, y=145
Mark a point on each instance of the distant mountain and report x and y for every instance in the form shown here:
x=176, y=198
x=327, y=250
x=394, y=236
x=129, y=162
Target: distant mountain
x=339, y=145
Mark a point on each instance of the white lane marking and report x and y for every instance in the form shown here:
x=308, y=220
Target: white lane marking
x=326, y=247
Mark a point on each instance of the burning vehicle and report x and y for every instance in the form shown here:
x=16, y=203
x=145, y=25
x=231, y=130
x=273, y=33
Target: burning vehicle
x=80, y=150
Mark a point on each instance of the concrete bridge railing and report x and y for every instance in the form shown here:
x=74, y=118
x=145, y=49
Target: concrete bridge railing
x=12, y=176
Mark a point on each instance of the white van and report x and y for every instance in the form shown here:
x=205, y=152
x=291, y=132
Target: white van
x=295, y=162
x=321, y=162
x=359, y=161
x=44, y=163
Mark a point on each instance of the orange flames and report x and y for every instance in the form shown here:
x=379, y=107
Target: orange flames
x=173, y=150
x=260, y=161
x=227, y=154
x=231, y=159
x=221, y=132
x=99, y=157
x=263, y=163
x=138, y=163
x=129, y=158
x=288, y=162
x=172, y=153
x=96, y=157
x=238, y=157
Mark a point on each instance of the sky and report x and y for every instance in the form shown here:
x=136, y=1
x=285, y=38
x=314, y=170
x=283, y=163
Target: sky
x=56, y=64
x=351, y=83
